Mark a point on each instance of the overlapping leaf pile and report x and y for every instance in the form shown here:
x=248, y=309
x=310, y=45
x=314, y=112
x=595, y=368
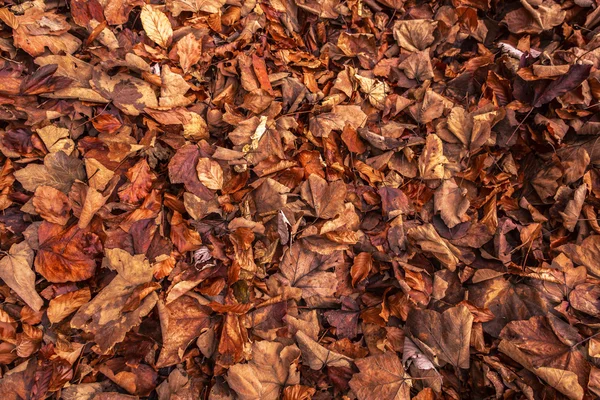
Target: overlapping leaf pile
x=372, y=199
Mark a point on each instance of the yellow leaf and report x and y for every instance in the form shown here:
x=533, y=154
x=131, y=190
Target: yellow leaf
x=157, y=26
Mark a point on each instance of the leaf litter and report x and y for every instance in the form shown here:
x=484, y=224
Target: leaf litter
x=296, y=199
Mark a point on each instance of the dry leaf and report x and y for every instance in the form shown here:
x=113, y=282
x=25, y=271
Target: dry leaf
x=16, y=272
x=156, y=25
x=210, y=173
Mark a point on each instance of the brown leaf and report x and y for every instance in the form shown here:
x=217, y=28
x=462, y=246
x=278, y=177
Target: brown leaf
x=52, y=205
x=317, y=356
x=65, y=255
x=326, y=198
x=444, y=337
x=451, y=202
x=140, y=183
x=210, y=173
x=308, y=271
x=103, y=316
x=414, y=35
x=62, y=306
x=272, y=368
x=432, y=161
x=59, y=171
x=157, y=26
x=181, y=322
x=173, y=89
x=547, y=347
x=16, y=272
x=363, y=263
x=189, y=51
x=381, y=377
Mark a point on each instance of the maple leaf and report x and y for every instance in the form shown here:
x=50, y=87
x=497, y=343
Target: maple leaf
x=59, y=171
x=444, y=337
x=326, y=198
x=181, y=322
x=272, y=368
x=308, y=271
x=381, y=377
x=548, y=347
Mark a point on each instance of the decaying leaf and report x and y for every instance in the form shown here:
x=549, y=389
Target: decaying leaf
x=16, y=272
x=272, y=368
x=103, y=317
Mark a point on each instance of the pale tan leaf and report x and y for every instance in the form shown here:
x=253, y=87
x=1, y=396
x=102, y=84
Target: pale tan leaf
x=451, y=202
x=415, y=35
x=16, y=272
x=432, y=160
x=173, y=89
x=189, y=51
x=156, y=25
x=210, y=173
x=272, y=368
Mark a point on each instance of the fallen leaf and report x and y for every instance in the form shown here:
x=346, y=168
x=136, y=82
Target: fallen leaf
x=381, y=377
x=16, y=272
x=157, y=26
x=272, y=368
x=103, y=317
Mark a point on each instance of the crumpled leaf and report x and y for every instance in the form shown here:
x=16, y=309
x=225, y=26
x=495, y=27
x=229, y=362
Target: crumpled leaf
x=416, y=34
x=451, y=202
x=103, y=316
x=272, y=368
x=59, y=171
x=432, y=161
x=16, y=272
x=444, y=337
x=546, y=347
